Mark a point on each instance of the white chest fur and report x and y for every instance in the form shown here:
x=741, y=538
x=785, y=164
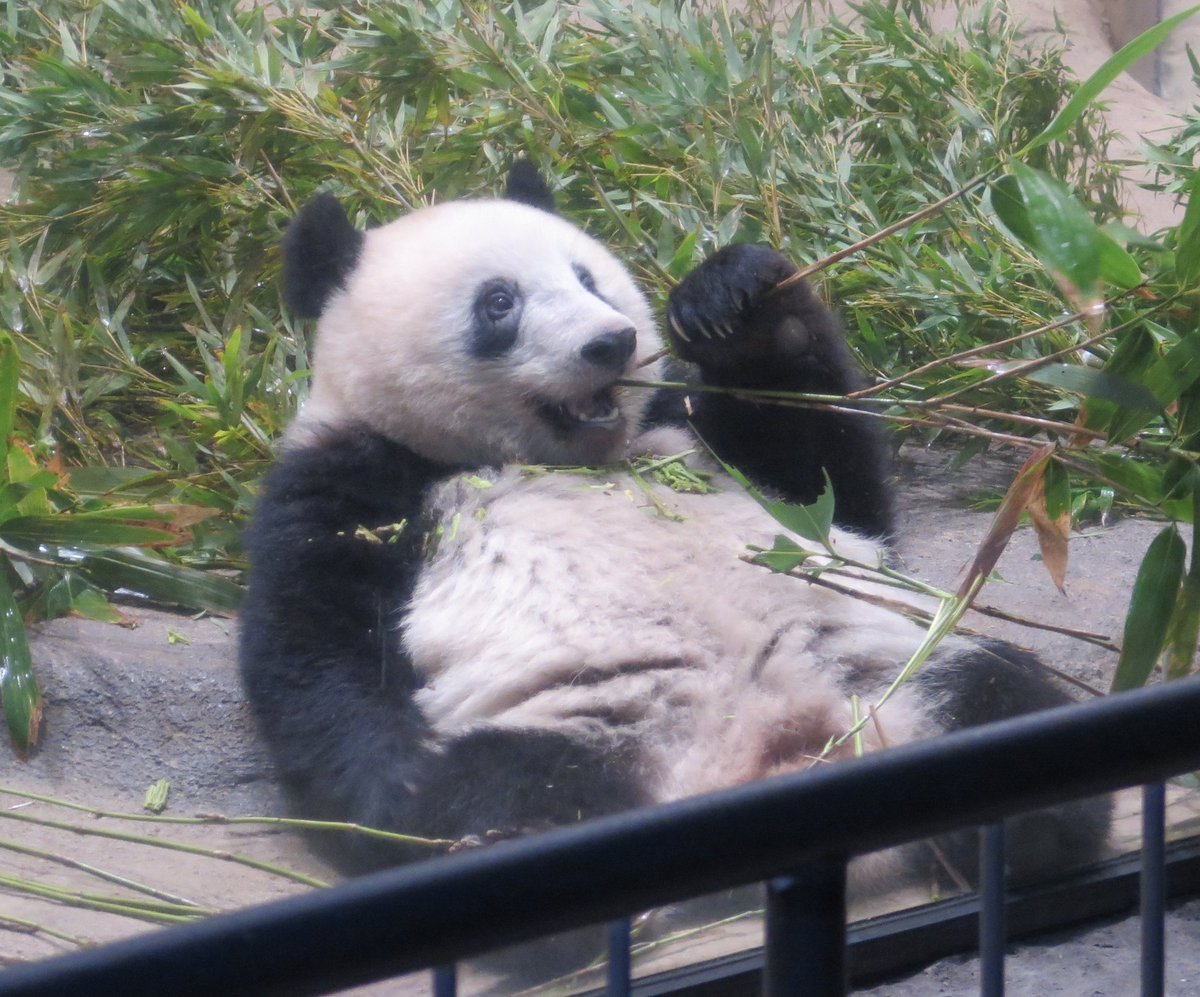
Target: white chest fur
x=581, y=603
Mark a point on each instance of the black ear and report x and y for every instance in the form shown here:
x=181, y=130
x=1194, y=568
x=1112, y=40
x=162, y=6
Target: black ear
x=525, y=184
x=320, y=248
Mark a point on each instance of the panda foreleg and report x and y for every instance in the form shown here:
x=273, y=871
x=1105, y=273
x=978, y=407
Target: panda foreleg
x=727, y=317
x=336, y=546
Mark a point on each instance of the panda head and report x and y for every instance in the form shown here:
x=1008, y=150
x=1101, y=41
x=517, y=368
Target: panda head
x=472, y=332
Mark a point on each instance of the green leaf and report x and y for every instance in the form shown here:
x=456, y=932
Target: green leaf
x=1094, y=383
x=10, y=372
x=65, y=530
x=812, y=522
x=1066, y=238
x=1117, y=267
x=1057, y=489
x=1155, y=592
x=161, y=581
x=20, y=697
x=1044, y=214
x=1184, y=631
x=1094, y=85
x=785, y=555
x=1009, y=205
x=1177, y=371
x=1187, y=241
x=71, y=594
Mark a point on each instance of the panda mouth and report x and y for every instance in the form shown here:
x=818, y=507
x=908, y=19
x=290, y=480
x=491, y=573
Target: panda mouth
x=598, y=411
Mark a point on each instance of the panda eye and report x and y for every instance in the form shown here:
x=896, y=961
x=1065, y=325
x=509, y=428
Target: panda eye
x=498, y=302
x=584, y=275
x=497, y=319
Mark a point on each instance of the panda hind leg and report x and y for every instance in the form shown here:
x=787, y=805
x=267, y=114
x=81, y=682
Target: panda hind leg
x=991, y=682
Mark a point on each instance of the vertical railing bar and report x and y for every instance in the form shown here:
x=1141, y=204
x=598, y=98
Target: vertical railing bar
x=619, y=961
x=445, y=981
x=993, y=928
x=1154, y=889
x=805, y=945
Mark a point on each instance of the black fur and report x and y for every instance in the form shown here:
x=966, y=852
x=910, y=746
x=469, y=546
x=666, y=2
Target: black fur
x=742, y=333
x=320, y=249
x=497, y=319
x=994, y=681
x=333, y=694
x=338, y=542
x=527, y=185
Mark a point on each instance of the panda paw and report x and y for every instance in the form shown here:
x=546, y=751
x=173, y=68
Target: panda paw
x=719, y=315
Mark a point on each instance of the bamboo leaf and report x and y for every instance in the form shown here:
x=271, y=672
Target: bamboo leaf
x=1094, y=85
x=1067, y=240
x=1043, y=214
x=1184, y=631
x=1025, y=484
x=20, y=697
x=64, y=530
x=1053, y=530
x=1100, y=384
x=1117, y=267
x=1057, y=486
x=812, y=521
x=10, y=372
x=161, y=581
x=1155, y=592
x=1187, y=240
x=1009, y=205
x=785, y=555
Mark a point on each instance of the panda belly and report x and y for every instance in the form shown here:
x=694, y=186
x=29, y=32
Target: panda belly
x=583, y=605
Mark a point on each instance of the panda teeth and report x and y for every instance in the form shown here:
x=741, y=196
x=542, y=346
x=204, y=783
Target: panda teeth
x=595, y=411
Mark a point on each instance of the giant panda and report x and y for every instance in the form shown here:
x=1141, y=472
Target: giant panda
x=469, y=616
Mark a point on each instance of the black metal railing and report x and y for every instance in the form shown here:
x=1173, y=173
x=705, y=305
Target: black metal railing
x=796, y=833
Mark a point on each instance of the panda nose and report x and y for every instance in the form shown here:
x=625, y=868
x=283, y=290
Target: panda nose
x=611, y=349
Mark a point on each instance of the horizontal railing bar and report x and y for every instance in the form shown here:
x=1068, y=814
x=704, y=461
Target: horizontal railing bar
x=438, y=911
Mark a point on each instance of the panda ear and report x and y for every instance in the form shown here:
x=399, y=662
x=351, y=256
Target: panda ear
x=320, y=249
x=526, y=185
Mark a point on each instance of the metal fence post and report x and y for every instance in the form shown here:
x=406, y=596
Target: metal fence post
x=805, y=945
x=993, y=930
x=619, y=959
x=1153, y=889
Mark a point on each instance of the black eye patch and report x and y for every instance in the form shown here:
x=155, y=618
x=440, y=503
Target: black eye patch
x=585, y=278
x=497, y=319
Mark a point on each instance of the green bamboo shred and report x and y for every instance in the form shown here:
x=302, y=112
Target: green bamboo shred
x=156, y=796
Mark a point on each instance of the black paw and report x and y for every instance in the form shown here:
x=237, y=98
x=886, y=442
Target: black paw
x=730, y=317
x=715, y=317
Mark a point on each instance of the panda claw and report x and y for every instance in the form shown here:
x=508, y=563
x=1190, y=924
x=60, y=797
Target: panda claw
x=677, y=328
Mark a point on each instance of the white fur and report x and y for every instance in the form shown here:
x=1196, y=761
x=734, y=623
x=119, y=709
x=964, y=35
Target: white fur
x=571, y=602
x=393, y=351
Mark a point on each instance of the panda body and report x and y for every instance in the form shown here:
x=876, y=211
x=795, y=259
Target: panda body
x=720, y=671
x=448, y=635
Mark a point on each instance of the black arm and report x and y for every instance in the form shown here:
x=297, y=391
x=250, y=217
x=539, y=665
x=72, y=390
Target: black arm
x=726, y=317
x=331, y=685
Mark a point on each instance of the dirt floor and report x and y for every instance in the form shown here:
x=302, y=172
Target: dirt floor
x=125, y=708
